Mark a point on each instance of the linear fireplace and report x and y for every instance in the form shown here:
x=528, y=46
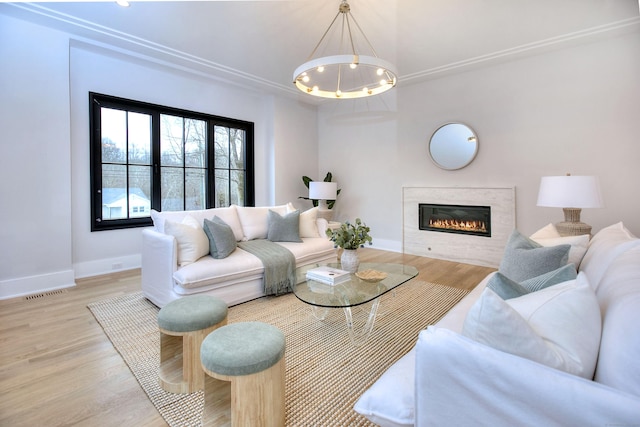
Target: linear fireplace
x=460, y=219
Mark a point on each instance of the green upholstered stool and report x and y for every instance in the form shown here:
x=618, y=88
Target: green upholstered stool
x=250, y=356
x=183, y=324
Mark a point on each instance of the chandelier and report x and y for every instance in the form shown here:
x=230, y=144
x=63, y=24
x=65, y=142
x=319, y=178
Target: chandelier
x=347, y=74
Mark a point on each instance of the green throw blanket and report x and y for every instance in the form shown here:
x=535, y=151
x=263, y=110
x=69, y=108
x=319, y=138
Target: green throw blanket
x=279, y=265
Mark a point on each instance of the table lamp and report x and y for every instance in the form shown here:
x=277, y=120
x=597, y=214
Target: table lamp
x=572, y=194
x=323, y=191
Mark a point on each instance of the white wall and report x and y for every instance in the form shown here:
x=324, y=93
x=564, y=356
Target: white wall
x=46, y=239
x=295, y=151
x=571, y=110
x=35, y=173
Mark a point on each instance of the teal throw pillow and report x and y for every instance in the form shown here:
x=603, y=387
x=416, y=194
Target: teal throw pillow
x=284, y=228
x=222, y=241
x=524, y=259
x=507, y=288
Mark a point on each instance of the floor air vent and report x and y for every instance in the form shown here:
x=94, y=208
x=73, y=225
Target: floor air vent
x=45, y=294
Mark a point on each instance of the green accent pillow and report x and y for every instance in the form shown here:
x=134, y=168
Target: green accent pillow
x=284, y=228
x=222, y=241
x=524, y=258
x=507, y=288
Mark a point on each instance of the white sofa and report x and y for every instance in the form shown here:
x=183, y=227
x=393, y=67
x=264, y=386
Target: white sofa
x=176, y=260
x=451, y=379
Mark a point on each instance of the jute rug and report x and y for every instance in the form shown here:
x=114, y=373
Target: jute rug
x=325, y=373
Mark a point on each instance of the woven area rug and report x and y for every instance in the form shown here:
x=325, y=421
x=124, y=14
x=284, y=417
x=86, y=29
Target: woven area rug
x=325, y=373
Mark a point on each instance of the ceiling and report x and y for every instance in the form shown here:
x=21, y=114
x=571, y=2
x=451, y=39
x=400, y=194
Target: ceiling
x=259, y=43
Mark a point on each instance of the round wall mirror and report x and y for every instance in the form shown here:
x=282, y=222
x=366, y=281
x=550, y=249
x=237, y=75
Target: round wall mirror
x=453, y=146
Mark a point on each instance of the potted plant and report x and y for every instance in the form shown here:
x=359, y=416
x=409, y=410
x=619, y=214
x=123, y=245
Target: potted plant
x=350, y=236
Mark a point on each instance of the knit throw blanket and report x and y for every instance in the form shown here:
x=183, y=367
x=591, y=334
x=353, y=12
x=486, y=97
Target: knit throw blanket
x=279, y=265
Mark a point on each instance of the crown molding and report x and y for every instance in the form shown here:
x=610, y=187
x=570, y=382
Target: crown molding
x=124, y=43
x=570, y=39
x=155, y=52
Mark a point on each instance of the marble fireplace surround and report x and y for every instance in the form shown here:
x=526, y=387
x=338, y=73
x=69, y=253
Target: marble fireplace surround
x=477, y=250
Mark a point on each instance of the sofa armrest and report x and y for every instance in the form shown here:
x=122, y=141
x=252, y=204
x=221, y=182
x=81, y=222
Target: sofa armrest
x=159, y=262
x=461, y=382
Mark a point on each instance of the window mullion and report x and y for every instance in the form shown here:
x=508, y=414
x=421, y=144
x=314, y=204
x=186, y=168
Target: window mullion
x=156, y=189
x=184, y=163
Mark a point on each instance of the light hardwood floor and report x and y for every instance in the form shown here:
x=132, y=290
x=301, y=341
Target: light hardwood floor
x=57, y=368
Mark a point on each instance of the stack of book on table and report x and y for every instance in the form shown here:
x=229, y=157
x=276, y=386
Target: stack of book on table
x=328, y=275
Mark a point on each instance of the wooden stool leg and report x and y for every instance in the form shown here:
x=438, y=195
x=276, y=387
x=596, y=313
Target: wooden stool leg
x=258, y=399
x=170, y=375
x=217, y=402
x=180, y=366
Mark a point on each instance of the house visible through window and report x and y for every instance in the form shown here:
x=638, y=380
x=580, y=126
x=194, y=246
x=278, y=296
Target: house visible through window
x=145, y=156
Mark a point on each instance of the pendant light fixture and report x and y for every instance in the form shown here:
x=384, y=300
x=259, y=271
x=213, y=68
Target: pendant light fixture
x=347, y=74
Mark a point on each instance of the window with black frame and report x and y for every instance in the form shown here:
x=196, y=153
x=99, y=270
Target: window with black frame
x=146, y=156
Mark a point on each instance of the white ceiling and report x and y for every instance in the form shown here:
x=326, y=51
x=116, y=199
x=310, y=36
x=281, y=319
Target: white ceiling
x=260, y=43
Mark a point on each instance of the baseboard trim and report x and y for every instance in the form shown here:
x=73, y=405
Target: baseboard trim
x=107, y=265
x=387, y=245
x=24, y=286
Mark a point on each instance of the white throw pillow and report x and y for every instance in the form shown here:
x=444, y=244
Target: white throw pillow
x=549, y=231
x=604, y=248
x=308, y=224
x=254, y=220
x=558, y=326
x=159, y=218
x=193, y=243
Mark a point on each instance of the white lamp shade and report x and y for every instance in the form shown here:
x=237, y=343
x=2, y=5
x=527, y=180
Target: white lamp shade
x=320, y=190
x=570, y=192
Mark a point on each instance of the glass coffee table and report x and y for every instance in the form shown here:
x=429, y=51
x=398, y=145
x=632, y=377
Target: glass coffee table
x=351, y=293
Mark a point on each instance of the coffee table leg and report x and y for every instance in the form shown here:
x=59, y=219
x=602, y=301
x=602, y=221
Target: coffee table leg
x=319, y=313
x=360, y=335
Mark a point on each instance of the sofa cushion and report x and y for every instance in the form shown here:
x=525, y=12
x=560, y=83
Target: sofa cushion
x=254, y=220
x=222, y=241
x=390, y=402
x=549, y=236
x=313, y=248
x=619, y=297
x=558, y=326
x=284, y=228
x=239, y=266
x=523, y=258
x=507, y=288
x=605, y=247
x=192, y=240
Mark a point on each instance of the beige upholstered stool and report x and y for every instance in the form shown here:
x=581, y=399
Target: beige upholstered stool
x=249, y=355
x=183, y=324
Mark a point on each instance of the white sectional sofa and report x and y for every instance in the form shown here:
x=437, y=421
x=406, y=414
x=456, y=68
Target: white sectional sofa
x=176, y=258
x=573, y=366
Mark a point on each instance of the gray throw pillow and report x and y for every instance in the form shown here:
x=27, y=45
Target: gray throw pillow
x=284, y=228
x=222, y=241
x=524, y=259
x=507, y=288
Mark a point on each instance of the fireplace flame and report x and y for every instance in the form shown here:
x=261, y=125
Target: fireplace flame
x=454, y=224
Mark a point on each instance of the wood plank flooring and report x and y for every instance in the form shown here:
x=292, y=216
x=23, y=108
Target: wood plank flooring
x=57, y=368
